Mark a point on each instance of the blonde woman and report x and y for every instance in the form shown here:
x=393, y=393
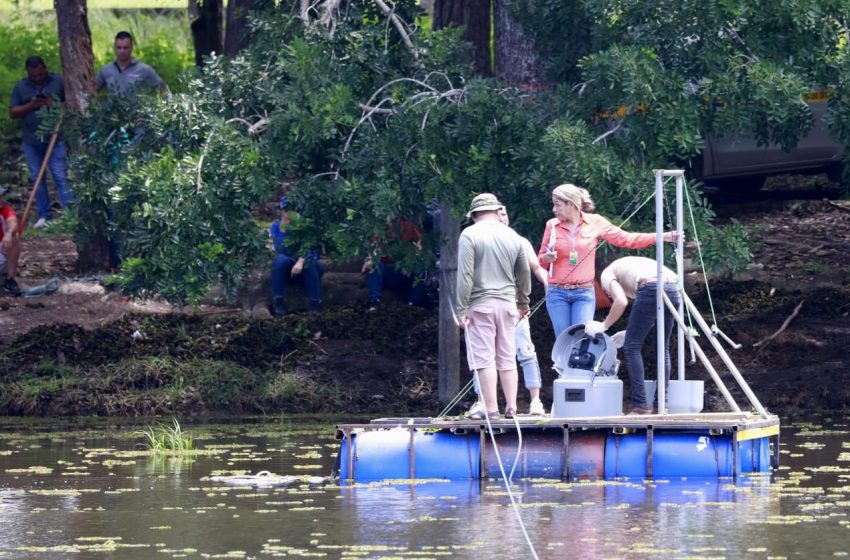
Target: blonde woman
x=568, y=251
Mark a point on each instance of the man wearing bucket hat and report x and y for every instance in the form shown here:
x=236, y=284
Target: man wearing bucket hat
x=10, y=246
x=493, y=286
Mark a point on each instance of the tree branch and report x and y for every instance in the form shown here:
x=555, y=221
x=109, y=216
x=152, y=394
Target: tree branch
x=328, y=17
x=399, y=25
x=199, y=184
x=784, y=326
x=609, y=133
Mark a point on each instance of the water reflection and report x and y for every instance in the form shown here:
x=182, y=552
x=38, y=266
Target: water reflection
x=92, y=493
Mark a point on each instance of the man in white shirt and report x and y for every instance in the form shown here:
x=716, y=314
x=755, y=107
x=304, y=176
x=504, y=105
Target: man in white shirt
x=635, y=278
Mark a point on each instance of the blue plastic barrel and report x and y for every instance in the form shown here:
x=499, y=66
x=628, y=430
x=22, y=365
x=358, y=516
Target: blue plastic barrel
x=540, y=456
x=683, y=454
x=754, y=455
x=447, y=455
x=385, y=454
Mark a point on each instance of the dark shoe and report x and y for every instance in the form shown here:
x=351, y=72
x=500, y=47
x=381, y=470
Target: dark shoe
x=373, y=304
x=510, y=413
x=313, y=307
x=640, y=411
x=11, y=286
x=278, y=308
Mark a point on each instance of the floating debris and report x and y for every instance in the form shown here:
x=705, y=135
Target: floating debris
x=266, y=478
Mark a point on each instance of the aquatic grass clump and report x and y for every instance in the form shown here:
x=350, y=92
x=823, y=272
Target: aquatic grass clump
x=162, y=438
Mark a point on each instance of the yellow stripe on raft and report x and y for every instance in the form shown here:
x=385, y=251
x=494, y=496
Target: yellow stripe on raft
x=756, y=433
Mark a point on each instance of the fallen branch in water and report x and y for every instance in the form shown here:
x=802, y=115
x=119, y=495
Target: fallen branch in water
x=784, y=326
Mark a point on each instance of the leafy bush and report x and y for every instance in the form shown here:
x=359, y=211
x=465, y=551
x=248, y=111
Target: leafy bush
x=172, y=185
x=365, y=130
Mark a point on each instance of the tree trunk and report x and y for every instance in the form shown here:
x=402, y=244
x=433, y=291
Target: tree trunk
x=517, y=62
x=207, y=25
x=448, y=367
x=75, y=50
x=237, y=19
x=474, y=15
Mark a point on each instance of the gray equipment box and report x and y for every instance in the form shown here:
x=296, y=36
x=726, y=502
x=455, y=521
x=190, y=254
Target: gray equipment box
x=588, y=383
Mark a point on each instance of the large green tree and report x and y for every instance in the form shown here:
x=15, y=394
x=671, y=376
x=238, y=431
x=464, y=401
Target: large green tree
x=368, y=116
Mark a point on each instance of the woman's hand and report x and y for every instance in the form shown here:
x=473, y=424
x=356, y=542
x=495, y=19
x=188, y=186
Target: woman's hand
x=673, y=236
x=549, y=257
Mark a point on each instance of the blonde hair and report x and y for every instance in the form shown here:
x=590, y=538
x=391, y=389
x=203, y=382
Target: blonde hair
x=576, y=195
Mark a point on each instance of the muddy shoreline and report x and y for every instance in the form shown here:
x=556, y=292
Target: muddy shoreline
x=100, y=354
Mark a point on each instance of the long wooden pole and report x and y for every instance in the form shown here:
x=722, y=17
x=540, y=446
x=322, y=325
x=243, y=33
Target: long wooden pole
x=448, y=374
x=53, y=138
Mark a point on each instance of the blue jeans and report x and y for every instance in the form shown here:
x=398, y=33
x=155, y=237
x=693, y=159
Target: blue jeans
x=641, y=321
x=386, y=275
x=58, y=166
x=527, y=356
x=568, y=307
x=310, y=276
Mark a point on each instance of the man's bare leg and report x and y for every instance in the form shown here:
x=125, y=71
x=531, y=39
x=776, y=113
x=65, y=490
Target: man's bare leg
x=487, y=384
x=509, y=380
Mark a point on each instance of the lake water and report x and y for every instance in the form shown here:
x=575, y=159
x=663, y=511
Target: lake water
x=90, y=491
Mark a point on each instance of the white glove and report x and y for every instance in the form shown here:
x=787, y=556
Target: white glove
x=619, y=339
x=592, y=328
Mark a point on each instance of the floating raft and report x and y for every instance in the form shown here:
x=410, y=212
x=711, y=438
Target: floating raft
x=704, y=445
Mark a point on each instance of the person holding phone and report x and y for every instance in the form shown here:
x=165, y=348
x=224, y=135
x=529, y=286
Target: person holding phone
x=31, y=98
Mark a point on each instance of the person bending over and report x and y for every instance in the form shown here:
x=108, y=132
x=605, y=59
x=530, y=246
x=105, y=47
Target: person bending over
x=635, y=278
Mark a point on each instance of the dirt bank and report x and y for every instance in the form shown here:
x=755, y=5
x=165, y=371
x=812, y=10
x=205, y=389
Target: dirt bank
x=94, y=352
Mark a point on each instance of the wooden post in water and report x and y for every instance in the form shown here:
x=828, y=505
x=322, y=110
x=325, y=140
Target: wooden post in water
x=448, y=372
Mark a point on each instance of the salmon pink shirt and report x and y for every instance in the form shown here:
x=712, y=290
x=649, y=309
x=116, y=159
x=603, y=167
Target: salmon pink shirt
x=584, y=241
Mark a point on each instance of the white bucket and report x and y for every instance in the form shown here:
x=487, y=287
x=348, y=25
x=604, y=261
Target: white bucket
x=685, y=396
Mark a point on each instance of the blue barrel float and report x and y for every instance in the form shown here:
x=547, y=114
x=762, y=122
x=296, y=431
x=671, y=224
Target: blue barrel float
x=697, y=455
x=403, y=453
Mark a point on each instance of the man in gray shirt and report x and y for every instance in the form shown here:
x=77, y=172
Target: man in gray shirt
x=493, y=286
x=30, y=96
x=126, y=75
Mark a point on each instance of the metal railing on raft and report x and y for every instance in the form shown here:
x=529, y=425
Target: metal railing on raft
x=661, y=300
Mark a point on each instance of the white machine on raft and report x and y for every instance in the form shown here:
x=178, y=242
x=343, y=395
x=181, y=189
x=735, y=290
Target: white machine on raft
x=588, y=383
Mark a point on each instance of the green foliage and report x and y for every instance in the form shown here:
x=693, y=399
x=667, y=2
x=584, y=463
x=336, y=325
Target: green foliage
x=162, y=40
x=726, y=250
x=364, y=131
x=683, y=69
x=162, y=438
x=173, y=185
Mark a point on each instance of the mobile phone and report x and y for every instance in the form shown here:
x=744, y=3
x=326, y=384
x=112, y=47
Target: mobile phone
x=40, y=95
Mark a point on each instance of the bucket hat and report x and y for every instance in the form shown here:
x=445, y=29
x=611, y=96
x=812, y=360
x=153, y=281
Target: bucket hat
x=483, y=203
